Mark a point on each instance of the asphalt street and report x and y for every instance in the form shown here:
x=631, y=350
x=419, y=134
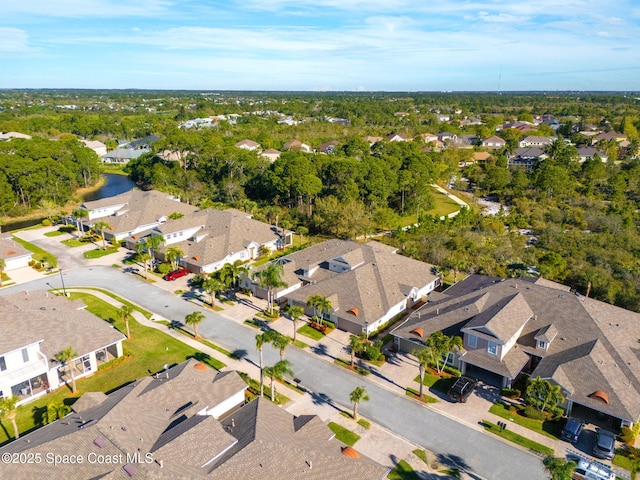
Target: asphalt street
x=471, y=450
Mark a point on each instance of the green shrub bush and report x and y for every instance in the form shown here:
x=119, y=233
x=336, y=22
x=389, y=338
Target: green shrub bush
x=531, y=412
x=627, y=435
x=68, y=228
x=46, y=222
x=510, y=392
x=164, y=268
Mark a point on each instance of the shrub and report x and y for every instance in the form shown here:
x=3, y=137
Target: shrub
x=67, y=228
x=531, y=412
x=510, y=392
x=627, y=435
x=452, y=371
x=46, y=222
x=372, y=353
x=164, y=268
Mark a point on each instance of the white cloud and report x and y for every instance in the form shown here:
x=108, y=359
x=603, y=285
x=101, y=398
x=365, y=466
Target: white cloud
x=14, y=40
x=87, y=8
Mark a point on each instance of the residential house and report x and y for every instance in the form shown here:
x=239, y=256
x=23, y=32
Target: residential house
x=36, y=326
x=468, y=140
x=448, y=138
x=537, y=141
x=373, y=139
x=271, y=154
x=188, y=422
x=143, y=143
x=494, y=142
x=526, y=157
x=122, y=155
x=606, y=136
x=329, y=147
x=13, y=253
x=537, y=328
x=248, y=145
x=429, y=137
x=367, y=284
x=212, y=238
x=297, y=145
x=399, y=137
x=133, y=212
x=199, y=123
x=97, y=146
x=587, y=153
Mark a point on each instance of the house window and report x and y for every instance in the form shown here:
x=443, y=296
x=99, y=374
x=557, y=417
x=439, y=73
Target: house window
x=3, y=364
x=542, y=344
x=472, y=341
x=25, y=355
x=492, y=348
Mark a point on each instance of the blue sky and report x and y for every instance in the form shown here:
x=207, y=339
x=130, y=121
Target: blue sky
x=393, y=45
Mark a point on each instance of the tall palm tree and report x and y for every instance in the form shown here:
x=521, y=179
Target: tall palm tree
x=278, y=371
x=125, y=314
x=296, y=312
x=558, y=468
x=238, y=269
x=173, y=254
x=194, y=318
x=212, y=286
x=320, y=304
x=358, y=395
x=8, y=410
x=271, y=278
x=281, y=342
x=66, y=355
x=143, y=257
x=260, y=341
x=424, y=357
x=101, y=226
x=355, y=346
x=152, y=243
x=3, y=265
x=79, y=214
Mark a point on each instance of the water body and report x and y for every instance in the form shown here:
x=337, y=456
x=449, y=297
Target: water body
x=114, y=185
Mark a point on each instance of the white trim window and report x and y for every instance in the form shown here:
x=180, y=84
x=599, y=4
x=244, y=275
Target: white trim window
x=472, y=341
x=492, y=348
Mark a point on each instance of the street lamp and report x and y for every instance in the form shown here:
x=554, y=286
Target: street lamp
x=64, y=290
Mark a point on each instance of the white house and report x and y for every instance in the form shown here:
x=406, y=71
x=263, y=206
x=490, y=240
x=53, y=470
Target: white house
x=13, y=253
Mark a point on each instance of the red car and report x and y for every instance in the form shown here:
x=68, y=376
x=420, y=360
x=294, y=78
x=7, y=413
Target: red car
x=181, y=272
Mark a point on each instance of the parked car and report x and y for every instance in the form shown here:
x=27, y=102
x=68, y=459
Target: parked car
x=181, y=272
x=460, y=391
x=586, y=470
x=605, y=444
x=572, y=430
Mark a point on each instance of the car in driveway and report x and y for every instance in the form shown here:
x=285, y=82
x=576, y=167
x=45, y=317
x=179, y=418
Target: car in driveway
x=462, y=388
x=605, y=444
x=181, y=272
x=572, y=430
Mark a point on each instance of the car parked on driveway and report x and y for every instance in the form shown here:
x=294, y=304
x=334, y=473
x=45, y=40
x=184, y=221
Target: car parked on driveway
x=181, y=272
x=605, y=444
x=572, y=430
x=460, y=391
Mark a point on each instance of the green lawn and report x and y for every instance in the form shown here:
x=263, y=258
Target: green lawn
x=55, y=233
x=312, y=333
x=364, y=423
x=432, y=380
x=73, y=242
x=410, y=392
x=518, y=439
x=421, y=454
x=38, y=253
x=347, y=364
x=254, y=389
x=403, y=471
x=548, y=428
x=443, y=205
x=99, y=252
x=344, y=435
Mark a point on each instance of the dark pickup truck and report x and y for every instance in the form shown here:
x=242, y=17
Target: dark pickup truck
x=460, y=391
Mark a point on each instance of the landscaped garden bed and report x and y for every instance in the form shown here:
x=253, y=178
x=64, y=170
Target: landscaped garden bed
x=549, y=427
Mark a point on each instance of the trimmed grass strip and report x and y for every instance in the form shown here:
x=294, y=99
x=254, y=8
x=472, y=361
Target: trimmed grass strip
x=345, y=435
x=518, y=439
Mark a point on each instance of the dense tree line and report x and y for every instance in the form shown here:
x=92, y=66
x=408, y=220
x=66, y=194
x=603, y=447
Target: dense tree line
x=39, y=172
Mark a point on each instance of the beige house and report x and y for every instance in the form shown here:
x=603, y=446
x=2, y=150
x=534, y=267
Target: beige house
x=13, y=253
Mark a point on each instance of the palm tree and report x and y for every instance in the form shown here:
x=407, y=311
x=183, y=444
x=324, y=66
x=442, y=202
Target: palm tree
x=79, y=214
x=301, y=231
x=260, y=340
x=278, y=371
x=194, y=318
x=152, y=243
x=8, y=410
x=173, y=254
x=3, y=265
x=424, y=357
x=296, y=312
x=281, y=342
x=101, y=226
x=66, y=355
x=212, y=286
x=442, y=346
x=125, y=314
x=357, y=396
x=271, y=278
x=237, y=269
x=320, y=304
x=143, y=257
x=558, y=468
x=355, y=346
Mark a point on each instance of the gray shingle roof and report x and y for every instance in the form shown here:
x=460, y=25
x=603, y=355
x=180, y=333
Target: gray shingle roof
x=594, y=346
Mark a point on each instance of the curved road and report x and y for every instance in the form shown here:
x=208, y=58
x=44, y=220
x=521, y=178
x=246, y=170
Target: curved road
x=479, y=454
